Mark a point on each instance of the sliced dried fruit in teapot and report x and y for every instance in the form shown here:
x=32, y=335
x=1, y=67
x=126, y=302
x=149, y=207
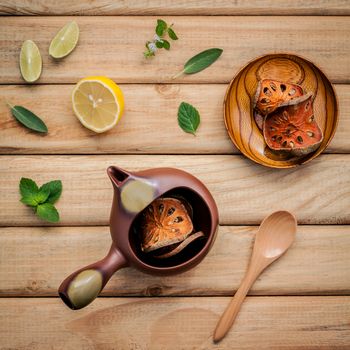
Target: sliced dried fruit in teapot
x=166, y=227
x=271, y=94
x=293, y=128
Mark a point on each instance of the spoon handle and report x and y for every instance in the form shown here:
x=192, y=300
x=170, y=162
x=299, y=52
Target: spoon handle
x=228, y=317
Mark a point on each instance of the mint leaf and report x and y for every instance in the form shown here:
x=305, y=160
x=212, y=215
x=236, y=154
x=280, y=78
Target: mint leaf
x=33, y=199
x=161, y=27
x=188, y=118
x=55, y=190
x=27, y=187
x=172, y=34
x=159, y=44
x=48, y=212
x=30, y=200
x=42, y=195
x=42, y=199
x=166, y=44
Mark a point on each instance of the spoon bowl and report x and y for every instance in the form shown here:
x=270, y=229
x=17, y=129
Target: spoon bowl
x=276, y=234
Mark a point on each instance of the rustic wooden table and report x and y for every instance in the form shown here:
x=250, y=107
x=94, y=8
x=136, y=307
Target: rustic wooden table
x=301, y=302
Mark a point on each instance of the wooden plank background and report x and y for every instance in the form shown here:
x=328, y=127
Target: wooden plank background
x=148, y=107
x=301, y=302
x=175, y=8
x=36, y=266
x=238, y=186
x=119, y=56
x=176, y=323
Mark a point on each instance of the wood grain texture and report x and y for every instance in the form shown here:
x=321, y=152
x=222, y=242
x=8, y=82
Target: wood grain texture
x=34, y=261
x=175, y=323
x=168, y=7
x=317, y=193
x=241, y=97
x=149, y=109
x=113, y=46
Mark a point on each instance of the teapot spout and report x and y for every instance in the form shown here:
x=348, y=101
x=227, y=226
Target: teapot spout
x=117, y=176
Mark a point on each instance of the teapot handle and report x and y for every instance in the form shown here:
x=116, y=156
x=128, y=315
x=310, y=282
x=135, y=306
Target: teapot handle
x=83, y=286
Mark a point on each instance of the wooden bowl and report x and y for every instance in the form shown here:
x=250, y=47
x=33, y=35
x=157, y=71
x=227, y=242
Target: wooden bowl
x=238, y=109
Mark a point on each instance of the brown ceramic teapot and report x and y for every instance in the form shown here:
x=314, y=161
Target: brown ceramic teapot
x=133, y=192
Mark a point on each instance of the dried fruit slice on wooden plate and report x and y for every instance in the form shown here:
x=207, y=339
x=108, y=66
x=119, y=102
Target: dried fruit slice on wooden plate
x=166, y=227
x=270, y=94
x=293, y=128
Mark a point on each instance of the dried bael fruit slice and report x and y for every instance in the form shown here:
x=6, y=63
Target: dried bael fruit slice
x=171, y=251
x=270, y=94
x=166, y=223
x=293, y=128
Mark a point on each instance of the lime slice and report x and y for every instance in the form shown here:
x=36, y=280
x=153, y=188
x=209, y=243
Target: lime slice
x=30, y=61
x=65, y=40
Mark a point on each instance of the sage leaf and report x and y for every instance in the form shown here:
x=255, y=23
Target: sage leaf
x=172, y=34
x=48, y=212
x=200, y=61
x=161, y=27
x=28, y=119
x=55, y=190
x=166, y=44
x=188, y=118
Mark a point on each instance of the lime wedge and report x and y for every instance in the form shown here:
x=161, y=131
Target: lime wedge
x=30, y=61
x=65, y=40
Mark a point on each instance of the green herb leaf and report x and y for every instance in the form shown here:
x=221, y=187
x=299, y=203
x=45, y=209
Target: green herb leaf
x=28, y=187
x=55, y=190
x=188, y=118
x=166, y=44
x=172, y=34
x=160, y=44
x=42, y=195
x=48, y=212
x=201, y=61
x=148, y=54
x=42, y=199
x=30, y=200
x=161, y=27
x=28, y=119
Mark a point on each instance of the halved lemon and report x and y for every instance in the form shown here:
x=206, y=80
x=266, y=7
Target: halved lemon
x=65, y=40
x=30, y=61
x=98, y=103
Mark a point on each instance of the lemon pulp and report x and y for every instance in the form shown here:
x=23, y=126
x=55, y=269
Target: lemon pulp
x=98, y=103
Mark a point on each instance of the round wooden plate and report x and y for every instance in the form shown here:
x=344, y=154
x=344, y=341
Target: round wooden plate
x=238, y=109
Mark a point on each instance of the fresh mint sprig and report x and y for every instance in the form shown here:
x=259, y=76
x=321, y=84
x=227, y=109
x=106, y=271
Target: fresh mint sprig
x=41, y=199
x=159, y=41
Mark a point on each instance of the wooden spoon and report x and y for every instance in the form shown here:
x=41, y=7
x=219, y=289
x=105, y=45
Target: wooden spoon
x=275, y=235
